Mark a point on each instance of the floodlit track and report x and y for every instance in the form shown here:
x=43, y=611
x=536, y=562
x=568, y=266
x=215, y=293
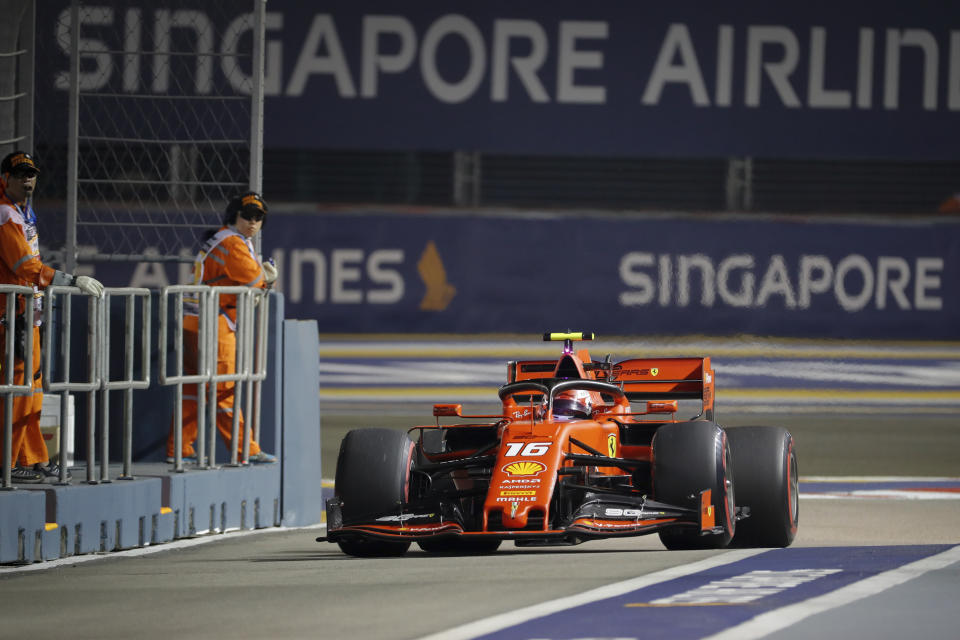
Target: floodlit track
x=284, y=584
x=879, y=523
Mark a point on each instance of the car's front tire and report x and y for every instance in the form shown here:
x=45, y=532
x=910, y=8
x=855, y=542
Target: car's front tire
x=373, y=477
x=688, y=458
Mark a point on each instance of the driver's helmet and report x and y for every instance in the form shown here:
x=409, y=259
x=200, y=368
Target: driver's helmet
x=575, y=403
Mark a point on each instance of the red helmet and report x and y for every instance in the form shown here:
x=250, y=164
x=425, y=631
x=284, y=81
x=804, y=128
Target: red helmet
x=575, y=403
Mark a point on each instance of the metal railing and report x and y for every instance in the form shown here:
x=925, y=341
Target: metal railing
x=200, y=297
x=128, y=382
x=250, y=365
x=8, y=389
x=99, y=380
x=66, y=385
x=97, y=377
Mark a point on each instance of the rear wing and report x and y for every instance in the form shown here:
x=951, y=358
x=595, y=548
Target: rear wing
x=666, y=379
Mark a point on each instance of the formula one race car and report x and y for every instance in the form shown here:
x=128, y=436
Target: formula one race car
x=570, y=458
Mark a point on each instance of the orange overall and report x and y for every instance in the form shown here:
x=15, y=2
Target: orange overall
x=227, y=260
x=20, y=265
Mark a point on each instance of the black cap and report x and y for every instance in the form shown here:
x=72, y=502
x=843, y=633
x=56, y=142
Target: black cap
x=249, y=202
x=18, y=162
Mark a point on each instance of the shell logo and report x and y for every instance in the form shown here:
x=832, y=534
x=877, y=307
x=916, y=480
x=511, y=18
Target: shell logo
x=524, y=468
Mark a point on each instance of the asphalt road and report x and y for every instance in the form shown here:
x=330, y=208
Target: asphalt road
x=283, y=584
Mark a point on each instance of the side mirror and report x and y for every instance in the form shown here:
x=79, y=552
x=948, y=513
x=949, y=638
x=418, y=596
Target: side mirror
x=662, y=406
x=449, y=410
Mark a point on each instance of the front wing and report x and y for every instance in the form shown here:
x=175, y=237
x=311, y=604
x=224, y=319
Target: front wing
x=593, y=520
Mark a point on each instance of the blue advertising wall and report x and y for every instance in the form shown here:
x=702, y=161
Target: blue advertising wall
x=700, y=78
x=464, y=271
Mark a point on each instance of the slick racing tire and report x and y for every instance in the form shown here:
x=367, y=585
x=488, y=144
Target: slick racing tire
x=373, y=477
x=765, y=466
x=459, y=545
x=688, y=458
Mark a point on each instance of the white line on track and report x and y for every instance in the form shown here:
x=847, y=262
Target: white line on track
x=512, y=618
x=767, y=623
x=882, y=494
x=144, y=551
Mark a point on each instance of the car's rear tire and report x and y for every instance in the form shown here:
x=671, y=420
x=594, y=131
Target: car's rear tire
x=765, y=465
x=688, y=458
x=373, y=477
x=460, y=545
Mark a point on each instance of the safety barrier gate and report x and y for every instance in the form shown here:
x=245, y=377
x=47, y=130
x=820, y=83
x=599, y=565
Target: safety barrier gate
x=251, y=336
x=99, y=381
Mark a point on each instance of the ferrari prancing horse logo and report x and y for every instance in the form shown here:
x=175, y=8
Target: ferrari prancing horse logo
x=611, y=446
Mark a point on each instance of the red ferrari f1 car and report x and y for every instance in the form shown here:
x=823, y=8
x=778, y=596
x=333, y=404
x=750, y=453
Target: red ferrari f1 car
x=582, y=450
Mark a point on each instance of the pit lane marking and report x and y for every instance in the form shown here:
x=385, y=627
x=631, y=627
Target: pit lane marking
x=777, y=619
x=840, y=576
x=519, y=616
x=739, y=589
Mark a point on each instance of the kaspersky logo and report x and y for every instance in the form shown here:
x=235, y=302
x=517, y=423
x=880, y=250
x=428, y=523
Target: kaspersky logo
x=524, y=468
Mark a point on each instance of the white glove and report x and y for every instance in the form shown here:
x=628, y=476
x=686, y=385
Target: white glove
x=269, y=272
x=90, y=286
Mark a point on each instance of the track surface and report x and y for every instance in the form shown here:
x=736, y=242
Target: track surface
x=284, y=584
x=885, y=551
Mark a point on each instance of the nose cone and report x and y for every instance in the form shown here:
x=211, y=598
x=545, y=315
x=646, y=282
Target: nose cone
x=515, y=517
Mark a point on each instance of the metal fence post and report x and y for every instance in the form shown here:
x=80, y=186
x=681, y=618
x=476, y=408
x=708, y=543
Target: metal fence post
x=8, y=389
x=258, y=345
